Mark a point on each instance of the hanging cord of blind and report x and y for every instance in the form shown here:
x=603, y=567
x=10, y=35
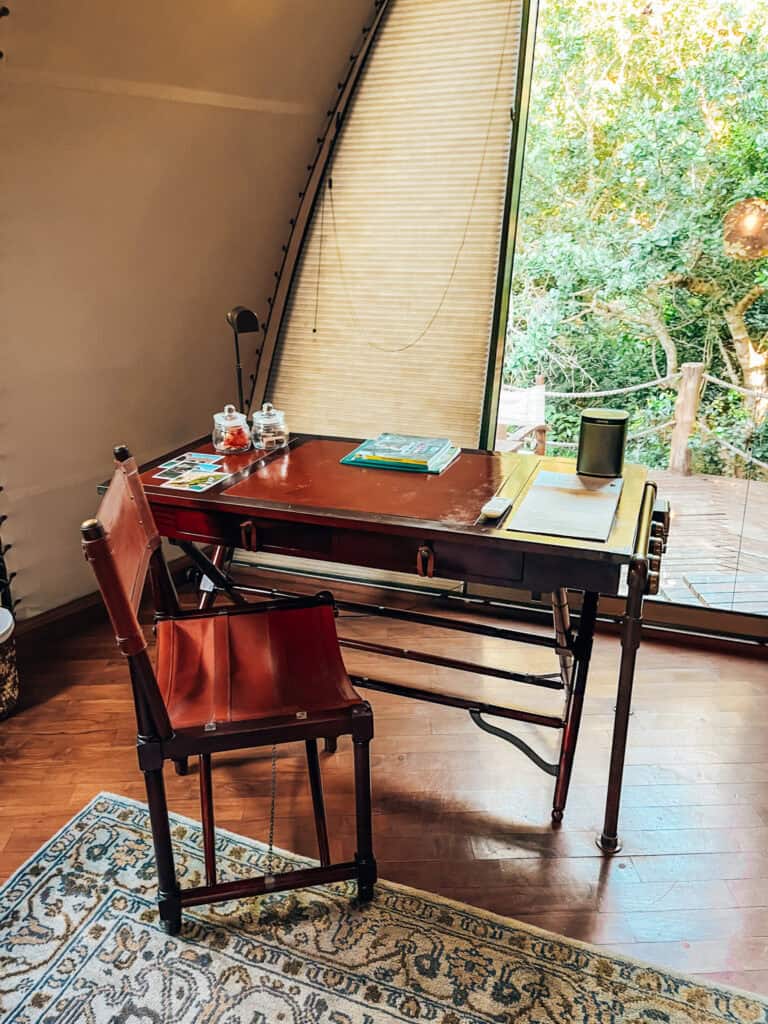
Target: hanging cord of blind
x=319, y=263
x=441, y=301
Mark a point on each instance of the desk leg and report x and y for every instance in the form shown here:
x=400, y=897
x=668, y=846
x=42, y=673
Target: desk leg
x=208, y=568
x=219, y=556
x=630, y=641
x=576, y=690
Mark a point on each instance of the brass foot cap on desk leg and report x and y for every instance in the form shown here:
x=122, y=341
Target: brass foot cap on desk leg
x=607, y=844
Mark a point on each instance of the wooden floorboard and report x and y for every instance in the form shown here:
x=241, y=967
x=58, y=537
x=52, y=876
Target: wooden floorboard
x=457, y=811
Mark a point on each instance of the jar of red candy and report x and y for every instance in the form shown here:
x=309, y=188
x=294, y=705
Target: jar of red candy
x=230, y=431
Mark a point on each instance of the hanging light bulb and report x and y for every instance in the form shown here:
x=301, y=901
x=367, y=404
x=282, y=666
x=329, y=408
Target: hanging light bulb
x=745, y=230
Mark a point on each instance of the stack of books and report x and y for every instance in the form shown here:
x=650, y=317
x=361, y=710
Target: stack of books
x=403, y=451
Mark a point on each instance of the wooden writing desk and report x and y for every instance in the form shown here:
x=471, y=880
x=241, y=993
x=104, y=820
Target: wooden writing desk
x=302, y=501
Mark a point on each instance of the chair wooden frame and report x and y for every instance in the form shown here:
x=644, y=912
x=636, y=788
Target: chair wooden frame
x=157, y=741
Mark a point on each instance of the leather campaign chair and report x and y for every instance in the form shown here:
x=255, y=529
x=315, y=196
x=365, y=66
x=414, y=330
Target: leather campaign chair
x=230, y=678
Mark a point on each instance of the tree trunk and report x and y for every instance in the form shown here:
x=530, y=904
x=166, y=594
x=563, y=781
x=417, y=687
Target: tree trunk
x=753, y=364
x=686, y=411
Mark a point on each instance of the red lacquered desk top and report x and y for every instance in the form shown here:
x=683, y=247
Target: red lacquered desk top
x=311, y=475
x=306, y=482
x=308, y=474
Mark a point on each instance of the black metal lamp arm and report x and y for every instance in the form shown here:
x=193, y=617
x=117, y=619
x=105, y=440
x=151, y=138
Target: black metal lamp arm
x=242, y=321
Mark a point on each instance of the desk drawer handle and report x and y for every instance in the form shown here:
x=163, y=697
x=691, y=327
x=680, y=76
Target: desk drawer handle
x=425, y=561
x=248, y=535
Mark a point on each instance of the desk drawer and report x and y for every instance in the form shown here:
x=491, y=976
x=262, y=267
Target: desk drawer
x=468, y=561
x=441, y=558
x=196, y=525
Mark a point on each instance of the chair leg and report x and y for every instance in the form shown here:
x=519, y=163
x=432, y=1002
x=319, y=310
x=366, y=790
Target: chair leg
x=209, y=826
x=330, y=744
x=181, y=766
x=366, y=863
x=318, y=804
x=169, y=895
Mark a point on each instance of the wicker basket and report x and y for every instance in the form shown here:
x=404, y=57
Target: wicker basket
x=9, y=673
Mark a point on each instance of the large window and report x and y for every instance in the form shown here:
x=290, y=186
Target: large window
x=641, y=259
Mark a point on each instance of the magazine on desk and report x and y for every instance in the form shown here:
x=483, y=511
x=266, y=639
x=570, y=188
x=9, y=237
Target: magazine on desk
x=405, y=452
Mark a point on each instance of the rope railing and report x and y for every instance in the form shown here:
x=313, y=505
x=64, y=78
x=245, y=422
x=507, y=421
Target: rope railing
x=650, y=430
x=747, y=456
x=655, y=429
x=689, y=381
x=659, y=382
x=729, y=386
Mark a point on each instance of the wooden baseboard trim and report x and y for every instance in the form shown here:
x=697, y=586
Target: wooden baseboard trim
x=81, y=610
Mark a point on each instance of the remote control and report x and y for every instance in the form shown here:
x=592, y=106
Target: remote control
x=495, y=508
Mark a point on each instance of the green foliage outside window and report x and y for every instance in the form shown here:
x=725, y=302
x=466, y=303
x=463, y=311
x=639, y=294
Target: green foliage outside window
x=648, y=122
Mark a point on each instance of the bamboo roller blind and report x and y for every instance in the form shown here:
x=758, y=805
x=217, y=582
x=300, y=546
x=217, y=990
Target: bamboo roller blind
x=388, y=323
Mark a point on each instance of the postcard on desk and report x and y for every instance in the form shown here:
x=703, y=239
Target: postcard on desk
x=201, y=462
x=196, y=480
x=568, y=505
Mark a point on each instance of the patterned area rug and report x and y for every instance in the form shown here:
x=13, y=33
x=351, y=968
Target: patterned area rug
x=80, y=942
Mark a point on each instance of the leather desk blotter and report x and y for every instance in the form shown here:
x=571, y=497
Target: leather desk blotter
x=568, y=505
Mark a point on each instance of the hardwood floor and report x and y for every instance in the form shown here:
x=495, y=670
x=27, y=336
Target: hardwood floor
x=458, y=812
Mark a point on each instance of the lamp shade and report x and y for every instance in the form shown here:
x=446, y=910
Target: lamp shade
x=745, y=230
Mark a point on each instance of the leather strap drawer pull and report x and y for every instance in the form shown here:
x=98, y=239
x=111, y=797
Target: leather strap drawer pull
x=248, y=535
x=425, y=561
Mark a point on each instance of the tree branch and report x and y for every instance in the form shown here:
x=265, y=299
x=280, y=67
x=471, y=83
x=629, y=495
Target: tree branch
x=697, y=285
x=741, y=307
x=651, y=320
x=753, y=363
x=729, y=367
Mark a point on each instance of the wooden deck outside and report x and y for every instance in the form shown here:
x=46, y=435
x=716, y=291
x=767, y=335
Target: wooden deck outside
x=718, y=545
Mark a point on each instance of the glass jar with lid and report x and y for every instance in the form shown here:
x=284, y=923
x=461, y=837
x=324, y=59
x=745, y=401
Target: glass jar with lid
x=230, y=431
x=269, y=428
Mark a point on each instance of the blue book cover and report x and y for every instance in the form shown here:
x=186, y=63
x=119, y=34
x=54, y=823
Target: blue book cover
x=404, y=448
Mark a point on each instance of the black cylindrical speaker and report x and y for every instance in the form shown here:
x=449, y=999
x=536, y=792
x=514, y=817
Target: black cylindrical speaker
x=602, y=439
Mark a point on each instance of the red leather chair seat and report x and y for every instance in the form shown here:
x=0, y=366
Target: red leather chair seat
x=232, y=668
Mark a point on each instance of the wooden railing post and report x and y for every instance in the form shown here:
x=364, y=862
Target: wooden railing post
x=686, y=411
x=540, y=433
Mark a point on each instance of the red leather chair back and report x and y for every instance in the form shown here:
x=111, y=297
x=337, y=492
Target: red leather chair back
x=130, y=527
x=119, y=545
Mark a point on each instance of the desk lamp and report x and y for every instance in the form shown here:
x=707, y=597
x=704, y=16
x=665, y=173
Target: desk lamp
x=242, y=321
x=745, y=229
